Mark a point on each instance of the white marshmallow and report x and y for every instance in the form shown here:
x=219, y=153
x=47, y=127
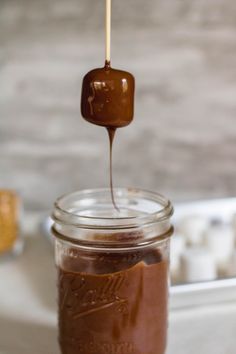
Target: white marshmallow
x=231, y=270
x=234, y=223
x=198, y=265
x=220, y=242
x=193, y=228
x=177, y=247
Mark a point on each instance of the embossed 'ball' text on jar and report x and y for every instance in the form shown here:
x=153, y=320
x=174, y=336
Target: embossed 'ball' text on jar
x=112, y=271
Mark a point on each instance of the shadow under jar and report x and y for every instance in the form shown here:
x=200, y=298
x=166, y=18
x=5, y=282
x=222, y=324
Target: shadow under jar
x=112, y=271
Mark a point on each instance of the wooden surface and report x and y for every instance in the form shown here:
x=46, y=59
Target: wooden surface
x=183, y=140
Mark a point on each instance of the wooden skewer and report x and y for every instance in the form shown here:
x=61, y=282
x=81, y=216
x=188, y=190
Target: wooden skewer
x=108, y=31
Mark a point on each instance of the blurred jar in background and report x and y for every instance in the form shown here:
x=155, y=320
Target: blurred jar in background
x=10, y=210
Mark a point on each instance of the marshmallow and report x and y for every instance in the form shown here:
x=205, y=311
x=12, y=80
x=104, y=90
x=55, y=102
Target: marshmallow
x=231, y=269
x=198, y=265
x=177, y=247
x=108, y=97
x=220, y=242
x=234, y=223
x=193, y=228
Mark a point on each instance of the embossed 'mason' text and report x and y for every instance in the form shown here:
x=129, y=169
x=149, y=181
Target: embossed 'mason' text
x=104, y=347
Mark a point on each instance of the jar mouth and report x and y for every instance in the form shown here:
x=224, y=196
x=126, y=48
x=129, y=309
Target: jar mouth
x=93, y=209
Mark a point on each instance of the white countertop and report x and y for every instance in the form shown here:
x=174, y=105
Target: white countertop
x=28, y=309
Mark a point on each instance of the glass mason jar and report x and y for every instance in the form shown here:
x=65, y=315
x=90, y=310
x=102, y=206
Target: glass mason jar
x=112, y=271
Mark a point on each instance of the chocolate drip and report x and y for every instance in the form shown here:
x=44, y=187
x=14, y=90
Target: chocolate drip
x=111, y=133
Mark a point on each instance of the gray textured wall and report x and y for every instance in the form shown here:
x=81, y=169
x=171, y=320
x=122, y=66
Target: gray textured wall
x=183, y=140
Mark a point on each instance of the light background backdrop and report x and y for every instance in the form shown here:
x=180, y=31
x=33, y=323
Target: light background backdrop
x=183, y=140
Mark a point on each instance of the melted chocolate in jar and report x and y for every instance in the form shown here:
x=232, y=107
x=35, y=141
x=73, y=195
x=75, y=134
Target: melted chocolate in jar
x=108, y=100
x=113, y=303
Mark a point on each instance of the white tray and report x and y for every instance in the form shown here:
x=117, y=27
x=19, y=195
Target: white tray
x=202, y=293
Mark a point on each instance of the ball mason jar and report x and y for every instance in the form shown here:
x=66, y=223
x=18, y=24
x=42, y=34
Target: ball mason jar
x=112, y=271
